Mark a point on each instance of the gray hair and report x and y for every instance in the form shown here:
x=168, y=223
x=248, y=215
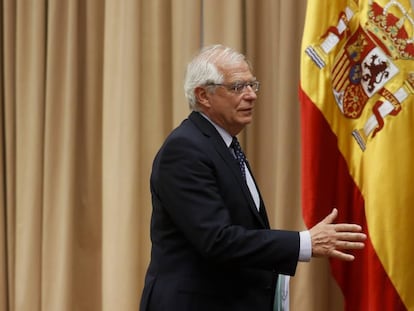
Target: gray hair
x=203, y=69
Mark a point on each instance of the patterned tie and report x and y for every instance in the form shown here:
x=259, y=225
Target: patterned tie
x=240, y=157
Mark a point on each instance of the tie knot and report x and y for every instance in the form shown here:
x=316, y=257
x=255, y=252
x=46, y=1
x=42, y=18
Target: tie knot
x=237, y=149
x=235, y=143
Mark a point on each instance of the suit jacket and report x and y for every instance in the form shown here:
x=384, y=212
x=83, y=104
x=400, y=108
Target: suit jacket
x=211, y=249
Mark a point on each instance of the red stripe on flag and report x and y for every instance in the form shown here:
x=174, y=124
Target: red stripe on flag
x=326, y=183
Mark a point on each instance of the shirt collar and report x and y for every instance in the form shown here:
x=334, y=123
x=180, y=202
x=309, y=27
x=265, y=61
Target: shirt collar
x=226, y=136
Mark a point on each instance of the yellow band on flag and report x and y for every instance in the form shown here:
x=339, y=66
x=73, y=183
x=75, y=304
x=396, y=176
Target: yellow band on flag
x=357, y=69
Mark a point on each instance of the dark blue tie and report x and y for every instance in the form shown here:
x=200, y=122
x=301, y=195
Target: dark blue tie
x=240, y=157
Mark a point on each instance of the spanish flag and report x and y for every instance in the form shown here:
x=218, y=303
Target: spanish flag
x=357, y=113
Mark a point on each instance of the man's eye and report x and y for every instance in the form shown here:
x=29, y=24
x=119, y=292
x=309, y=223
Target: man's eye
x=238, y=87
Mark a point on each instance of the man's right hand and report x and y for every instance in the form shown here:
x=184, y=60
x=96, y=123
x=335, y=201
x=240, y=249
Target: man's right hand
x=330, y=240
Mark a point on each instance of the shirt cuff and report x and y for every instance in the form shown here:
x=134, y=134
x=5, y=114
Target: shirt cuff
x=305, y=251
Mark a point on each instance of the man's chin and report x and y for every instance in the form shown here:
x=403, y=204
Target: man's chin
x=246, y=119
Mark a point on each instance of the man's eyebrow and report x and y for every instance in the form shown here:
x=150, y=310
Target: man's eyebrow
x=244, y=81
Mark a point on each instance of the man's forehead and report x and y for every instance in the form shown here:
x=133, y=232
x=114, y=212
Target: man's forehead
x=237, y=73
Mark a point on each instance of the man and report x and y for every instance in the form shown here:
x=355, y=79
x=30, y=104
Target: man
x=212, y=247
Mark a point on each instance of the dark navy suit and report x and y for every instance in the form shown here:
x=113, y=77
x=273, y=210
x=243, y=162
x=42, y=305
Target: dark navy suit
x=211, y=248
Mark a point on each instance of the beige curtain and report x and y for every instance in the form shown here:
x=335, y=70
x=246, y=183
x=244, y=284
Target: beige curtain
x=88, y=91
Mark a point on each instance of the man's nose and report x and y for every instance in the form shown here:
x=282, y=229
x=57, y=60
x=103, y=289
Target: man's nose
x=249, y=92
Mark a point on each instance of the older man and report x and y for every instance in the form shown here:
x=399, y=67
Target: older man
x=212, y=246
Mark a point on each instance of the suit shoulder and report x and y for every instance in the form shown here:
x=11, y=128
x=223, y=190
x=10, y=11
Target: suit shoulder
x=186, y=132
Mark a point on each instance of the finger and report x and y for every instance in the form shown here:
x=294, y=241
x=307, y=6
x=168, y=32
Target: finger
x=349, y=245
x=350, y=236
x=331, y=217
x=342, y=256
x=347, y=227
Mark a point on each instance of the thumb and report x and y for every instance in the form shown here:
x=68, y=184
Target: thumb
x=331, y=217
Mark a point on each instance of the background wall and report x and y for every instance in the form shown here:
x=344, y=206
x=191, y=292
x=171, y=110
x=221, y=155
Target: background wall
x=88, y=92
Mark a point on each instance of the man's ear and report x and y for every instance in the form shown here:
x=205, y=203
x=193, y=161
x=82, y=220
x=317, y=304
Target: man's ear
x=202, y=96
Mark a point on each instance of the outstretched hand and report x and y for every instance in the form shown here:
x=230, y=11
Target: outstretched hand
x=329, y=239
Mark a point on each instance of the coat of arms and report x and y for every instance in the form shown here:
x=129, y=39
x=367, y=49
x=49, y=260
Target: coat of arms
x=365, y=63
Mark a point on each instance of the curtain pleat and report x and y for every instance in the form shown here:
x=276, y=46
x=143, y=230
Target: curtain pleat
x=29, y=123
x=88, y=92
x=8, y=146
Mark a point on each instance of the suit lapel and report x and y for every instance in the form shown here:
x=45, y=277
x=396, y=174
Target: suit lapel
x=208, y=129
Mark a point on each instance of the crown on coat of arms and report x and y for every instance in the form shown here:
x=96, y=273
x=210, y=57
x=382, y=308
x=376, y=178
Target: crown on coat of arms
x=392, y=26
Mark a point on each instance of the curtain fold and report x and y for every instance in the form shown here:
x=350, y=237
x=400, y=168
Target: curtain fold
x=122, y=115
x=29, y=124
x=89, y=91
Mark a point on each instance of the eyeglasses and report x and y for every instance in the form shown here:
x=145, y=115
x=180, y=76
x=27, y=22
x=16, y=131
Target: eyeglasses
x=239, y=87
